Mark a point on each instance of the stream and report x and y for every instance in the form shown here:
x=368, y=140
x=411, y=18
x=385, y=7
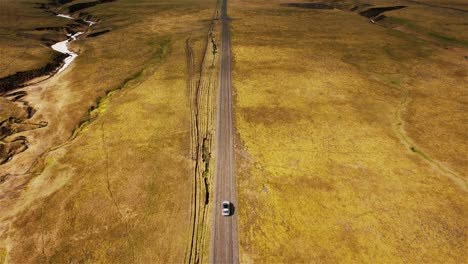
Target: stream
x=62, y=46
x=9, y=89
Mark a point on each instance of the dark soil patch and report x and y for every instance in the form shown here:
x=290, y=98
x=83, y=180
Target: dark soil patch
x=53, y=3
x=62, y=2
x=50, y=28
x=309, y=5
x=9, y=149
x=373, y=12
x=18, y=79
x=76, y=7
x=17, y=95
x=95, y=34
x=376, y=19
x=69, y=29
x=80, y=6
x=14, y=125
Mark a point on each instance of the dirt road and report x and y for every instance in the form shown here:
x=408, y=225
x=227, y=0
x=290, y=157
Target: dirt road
x=224, y=245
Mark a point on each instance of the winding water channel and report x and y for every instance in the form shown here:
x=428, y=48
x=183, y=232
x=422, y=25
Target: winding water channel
x=62, y=46
x=9, y=148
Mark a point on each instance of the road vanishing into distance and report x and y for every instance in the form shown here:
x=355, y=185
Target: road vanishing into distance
x=224, y=245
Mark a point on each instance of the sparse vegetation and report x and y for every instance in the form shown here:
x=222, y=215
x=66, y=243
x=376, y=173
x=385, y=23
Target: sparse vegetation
x=350, y=135
x=110, y=178
x=447, y=39
x=2, y=255
x=350, y=147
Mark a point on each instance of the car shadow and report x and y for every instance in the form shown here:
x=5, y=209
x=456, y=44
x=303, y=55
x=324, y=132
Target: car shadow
x=232, y=209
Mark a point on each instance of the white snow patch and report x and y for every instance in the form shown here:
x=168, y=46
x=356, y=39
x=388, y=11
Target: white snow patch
x=76, y=35
x=62, y=47
x=65, y=16
x=90, y=23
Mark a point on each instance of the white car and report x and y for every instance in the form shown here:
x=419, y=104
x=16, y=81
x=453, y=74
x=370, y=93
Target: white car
x=226, y=205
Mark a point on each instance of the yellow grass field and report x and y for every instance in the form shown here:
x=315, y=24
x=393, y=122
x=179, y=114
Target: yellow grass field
x=352, y=143
x=21, y=47
x=110, y=178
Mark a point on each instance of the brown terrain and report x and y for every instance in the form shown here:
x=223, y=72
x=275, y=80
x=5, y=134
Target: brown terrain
x=109, y=160
x=340, y=135
x=352, y=131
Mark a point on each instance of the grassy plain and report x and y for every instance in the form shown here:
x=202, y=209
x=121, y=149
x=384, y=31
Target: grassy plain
x=110, y=178
x=20, y=46
x=351, y=135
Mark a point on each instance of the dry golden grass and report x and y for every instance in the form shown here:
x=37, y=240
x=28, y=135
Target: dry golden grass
x=328, y=110
x=114, y=173
x=9, y=109
x=119, y=192
x=19, y=51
